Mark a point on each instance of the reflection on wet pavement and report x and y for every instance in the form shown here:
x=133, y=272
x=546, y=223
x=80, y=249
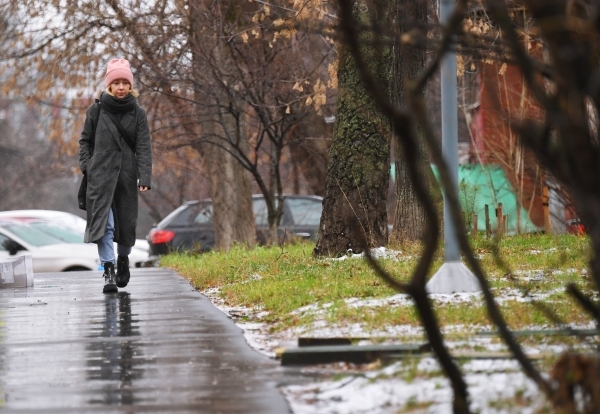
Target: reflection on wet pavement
x=157, y=346
x=117, y=364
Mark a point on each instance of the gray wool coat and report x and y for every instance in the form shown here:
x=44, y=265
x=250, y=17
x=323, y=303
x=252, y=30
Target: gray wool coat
x=114, y=172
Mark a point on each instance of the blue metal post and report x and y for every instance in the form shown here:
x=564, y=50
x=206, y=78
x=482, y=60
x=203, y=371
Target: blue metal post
x=449, y=134
x=453, y=276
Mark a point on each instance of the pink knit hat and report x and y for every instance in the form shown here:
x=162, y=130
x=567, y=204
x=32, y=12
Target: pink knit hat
x=118, y=69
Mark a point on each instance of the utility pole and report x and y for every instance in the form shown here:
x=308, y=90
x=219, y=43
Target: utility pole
x=453, y=276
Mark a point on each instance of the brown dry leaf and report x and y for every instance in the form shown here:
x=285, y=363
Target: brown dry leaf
x=502, y=69
x=319, y=98
x=460, y=66
x=332, y=70
x=287, y=33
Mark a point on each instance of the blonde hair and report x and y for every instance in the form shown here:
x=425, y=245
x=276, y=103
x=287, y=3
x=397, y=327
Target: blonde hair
x=131, y=91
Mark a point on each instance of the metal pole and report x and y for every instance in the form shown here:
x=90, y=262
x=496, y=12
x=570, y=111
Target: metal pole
x=449, y=134
x=453, y=276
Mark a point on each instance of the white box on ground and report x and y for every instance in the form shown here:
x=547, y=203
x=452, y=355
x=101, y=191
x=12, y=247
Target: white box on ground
x=16, y=272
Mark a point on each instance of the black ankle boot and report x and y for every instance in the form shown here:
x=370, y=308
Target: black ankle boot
x=109, y=278
x=122, y=271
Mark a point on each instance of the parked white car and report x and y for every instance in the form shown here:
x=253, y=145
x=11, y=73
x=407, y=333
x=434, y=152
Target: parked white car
x=48, y=253
x=139, y=253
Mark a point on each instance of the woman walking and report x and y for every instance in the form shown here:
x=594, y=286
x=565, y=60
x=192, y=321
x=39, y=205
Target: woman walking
x=115, y=155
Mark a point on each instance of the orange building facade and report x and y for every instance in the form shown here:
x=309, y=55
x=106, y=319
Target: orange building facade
x=504, y=100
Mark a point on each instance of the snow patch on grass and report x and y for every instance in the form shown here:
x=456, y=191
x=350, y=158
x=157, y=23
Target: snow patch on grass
x=495, y=385
x=386, y=391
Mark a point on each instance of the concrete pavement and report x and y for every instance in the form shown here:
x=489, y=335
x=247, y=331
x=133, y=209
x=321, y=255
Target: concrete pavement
x=157, y=346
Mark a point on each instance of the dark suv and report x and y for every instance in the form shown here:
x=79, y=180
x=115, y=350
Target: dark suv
x=190, y=226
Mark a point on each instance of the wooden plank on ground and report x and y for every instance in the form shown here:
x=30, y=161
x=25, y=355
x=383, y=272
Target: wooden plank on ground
x=356, y=354
x=302, y=342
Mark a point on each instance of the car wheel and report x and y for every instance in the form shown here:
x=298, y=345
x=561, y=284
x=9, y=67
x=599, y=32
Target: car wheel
x=76, y=269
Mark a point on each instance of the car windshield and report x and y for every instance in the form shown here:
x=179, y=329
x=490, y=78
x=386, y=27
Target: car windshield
x=190, y=214
x=260, y=211
x=3, y=238
x=179, y=216
x=59, y=232
x=305, y=211
x=31, y=235
x=203, y=214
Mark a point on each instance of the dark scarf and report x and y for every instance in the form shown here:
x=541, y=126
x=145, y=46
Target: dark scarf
x=116, y=105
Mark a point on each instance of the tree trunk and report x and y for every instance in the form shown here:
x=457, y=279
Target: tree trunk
x=408, y=62
x=354, y=207
x=309, y=156
x=232, y=198
x=231, y=187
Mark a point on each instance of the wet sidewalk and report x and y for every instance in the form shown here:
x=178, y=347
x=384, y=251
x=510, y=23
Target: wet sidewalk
x=157, y=346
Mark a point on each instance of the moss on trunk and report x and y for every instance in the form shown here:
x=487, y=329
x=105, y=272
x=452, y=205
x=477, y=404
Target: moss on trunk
x=354, y=206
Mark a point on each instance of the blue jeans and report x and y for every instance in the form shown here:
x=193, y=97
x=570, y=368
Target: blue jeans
x=106, y=249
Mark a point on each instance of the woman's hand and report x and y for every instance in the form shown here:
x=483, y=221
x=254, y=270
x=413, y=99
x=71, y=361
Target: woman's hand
x=143, y=188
